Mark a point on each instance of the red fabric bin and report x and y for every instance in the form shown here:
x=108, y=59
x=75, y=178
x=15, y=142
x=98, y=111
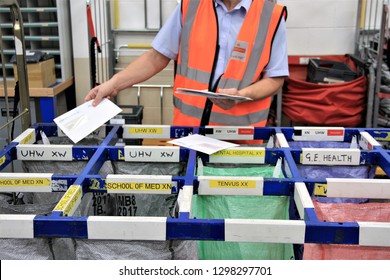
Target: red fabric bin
x=341, y=104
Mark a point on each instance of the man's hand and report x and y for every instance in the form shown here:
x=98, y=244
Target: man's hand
x=226, y=104
x=99, y=92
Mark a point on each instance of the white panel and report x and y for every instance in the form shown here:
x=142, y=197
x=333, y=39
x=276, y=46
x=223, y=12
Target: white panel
x=44, y=152
x=270, y=231
x=342, y=40
x=319, y=133
x=231, y=132
x=158, y=184
x=302, y=199
x=298, y=10
x=146, y=131
x=239, y=155
x=374, y=234
x=153, y=14
x=27, y=137
x=367, y=142
x=185, y=199
x=127, y=228
x=64, y=25
x=215, y=185
x=339, y=13
x=167, y=8
x=25, y=182
x=325, y=156
x=330, y=32
x=319, y=41
x=131, y=14
x=17, y=226
x=346, y=13
x=358, y=188
x=79, y=29
x=152, y=154
x=281, y=141
x=298, y=41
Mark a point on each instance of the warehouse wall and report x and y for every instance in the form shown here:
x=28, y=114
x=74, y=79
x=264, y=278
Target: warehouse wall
x=321, y=26
x=314, y=27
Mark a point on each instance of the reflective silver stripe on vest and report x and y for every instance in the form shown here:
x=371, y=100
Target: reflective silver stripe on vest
x=193, y=74
x=182, y=67
x=261, y=36
x=220, y=118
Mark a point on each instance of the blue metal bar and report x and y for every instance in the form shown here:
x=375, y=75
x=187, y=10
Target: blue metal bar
x=181, y=131
x=263, y=133
x=7, y=155
x=83, y=152
x=197, y=229
x=48, y=108
x=50, y=129
x=278, y=187
x=292, y=166
x=379, y=134
x=384, y=159
x=191, y=165
x=69, y=179
x=97, y=160
x=332, y=233
x=310, y=215
x=59, y=226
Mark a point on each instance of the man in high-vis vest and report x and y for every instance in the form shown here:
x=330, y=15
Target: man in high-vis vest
x=232, y=47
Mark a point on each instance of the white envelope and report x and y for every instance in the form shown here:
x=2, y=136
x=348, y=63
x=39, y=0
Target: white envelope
x=84, y=119
x=202, y=143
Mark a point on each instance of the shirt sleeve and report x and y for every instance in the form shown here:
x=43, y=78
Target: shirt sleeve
x=278, y=63
x=167, y=39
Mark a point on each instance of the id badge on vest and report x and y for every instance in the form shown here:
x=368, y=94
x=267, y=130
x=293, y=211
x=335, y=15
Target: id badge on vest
x=239, y=51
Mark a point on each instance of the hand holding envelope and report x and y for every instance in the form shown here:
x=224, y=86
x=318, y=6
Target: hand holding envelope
x=84, y=119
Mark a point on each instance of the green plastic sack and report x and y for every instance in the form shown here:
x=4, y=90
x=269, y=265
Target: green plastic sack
x=266, y=171
x=241, y=207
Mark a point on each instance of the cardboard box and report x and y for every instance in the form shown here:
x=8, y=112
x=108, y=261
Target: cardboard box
x=41, y=74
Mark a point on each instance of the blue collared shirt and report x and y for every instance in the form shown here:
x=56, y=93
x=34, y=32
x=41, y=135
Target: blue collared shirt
x=167, y=40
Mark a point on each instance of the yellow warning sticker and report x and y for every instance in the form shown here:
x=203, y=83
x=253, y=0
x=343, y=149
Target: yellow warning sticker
x=69, y=200
x=381, y=136
x=95, y=184
x=127, y=186
x=320, y=189
x=240, y=153
x=2, y=160
x=146, y=130
x=120, y=155
x=227, y=184
x=28, y=182
x=28, y=138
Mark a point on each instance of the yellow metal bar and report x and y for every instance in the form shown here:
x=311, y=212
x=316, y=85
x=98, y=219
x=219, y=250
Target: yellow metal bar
x=116, y=14
x=363, y=14
x=139, y=46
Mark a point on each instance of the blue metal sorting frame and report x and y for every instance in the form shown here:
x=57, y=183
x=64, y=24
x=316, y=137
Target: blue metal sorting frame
x=61, y=223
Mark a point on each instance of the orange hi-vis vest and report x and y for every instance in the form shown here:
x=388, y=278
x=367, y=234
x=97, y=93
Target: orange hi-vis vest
x=196, y=61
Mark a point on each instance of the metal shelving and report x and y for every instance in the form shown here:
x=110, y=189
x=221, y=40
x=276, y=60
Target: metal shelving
x=46, y=28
